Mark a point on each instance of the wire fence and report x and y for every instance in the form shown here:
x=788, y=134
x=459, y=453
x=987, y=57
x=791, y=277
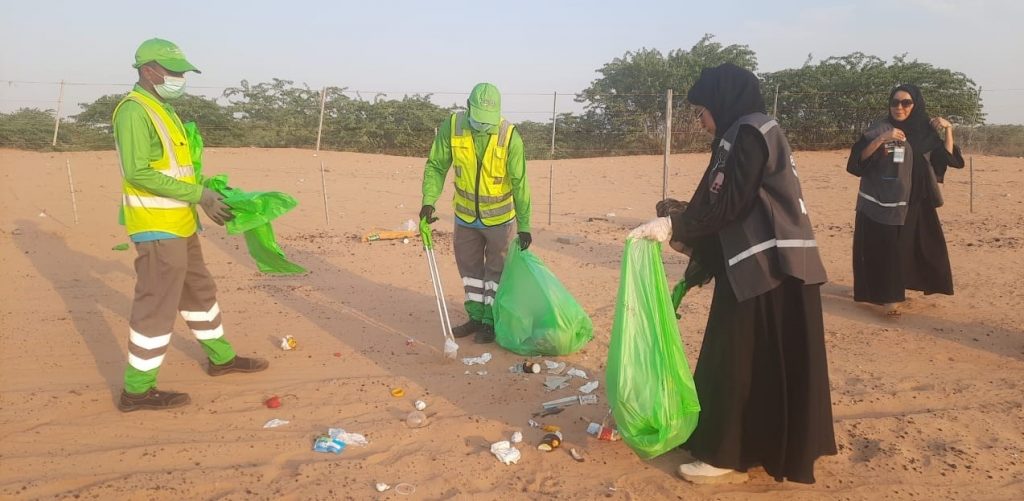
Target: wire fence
x=553, y=125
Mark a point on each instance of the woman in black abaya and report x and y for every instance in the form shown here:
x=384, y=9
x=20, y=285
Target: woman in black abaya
x=762, y=374
x=890, y=256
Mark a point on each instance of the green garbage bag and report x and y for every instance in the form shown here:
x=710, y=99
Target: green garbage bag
x=253, y=212
x=534, y=314
x=650, y=388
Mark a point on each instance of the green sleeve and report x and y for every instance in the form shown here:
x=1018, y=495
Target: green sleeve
x=520, y=185
x=438, y=163
x=138, y=145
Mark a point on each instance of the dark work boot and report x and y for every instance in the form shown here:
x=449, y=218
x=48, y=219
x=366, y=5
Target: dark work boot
x=153, y=399
x=238, y=364
x=468, y=328
x=485, y=335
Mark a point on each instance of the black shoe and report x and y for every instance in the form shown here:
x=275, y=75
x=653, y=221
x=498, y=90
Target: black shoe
x=238, y=364
x=485, y=335
x=153, y=399
x=471, y=327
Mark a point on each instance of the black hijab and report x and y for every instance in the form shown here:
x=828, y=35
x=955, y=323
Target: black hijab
x=728, y=92
x=917, y=126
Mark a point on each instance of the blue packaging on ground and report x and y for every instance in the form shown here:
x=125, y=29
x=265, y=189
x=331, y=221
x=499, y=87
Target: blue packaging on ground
x=325, y=443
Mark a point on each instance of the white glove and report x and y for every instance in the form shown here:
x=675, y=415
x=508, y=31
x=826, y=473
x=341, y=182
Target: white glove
x=659, y=229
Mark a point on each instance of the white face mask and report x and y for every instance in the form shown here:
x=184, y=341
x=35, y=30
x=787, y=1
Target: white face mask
x=172, y=88
x=479, y=126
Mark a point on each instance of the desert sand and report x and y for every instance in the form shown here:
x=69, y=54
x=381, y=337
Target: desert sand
x=927, y=407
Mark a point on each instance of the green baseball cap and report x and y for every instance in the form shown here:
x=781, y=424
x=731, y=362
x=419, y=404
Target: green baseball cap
x=485, y=104
x=165, y=53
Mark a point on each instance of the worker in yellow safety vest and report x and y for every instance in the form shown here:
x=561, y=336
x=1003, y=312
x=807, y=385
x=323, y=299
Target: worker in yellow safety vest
x=491, y=192
x=160, y=189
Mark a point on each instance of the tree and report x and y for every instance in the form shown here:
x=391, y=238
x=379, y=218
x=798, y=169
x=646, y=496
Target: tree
x=628, y=100
x=829, y=104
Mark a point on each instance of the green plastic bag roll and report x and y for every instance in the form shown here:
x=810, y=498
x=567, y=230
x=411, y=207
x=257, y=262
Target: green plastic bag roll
x=650, y=388
x=534, y=314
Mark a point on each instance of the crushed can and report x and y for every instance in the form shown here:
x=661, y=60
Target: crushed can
x=525, y=368
x=550, y=442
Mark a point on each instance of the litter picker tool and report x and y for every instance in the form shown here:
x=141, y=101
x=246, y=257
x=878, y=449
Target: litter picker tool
x=451, y=348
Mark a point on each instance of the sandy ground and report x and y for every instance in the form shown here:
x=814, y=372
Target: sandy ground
x=929, y=407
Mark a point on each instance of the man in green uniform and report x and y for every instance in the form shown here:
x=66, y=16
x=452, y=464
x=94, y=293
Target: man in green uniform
x=491, y=192
x=159, y=191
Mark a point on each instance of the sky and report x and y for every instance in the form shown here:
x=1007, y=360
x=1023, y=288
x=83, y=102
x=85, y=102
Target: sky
x=528, y=48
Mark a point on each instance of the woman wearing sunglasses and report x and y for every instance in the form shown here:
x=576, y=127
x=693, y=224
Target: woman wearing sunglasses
x=897, y=240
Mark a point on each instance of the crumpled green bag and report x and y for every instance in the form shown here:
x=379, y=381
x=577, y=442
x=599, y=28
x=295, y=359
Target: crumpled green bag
x=253, y=212
x=534, y=314
x=650, y=388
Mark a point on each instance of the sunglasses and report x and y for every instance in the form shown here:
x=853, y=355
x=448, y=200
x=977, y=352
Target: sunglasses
x=896, y=103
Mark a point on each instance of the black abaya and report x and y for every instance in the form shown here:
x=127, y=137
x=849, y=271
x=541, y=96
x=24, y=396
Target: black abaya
x=762, y=373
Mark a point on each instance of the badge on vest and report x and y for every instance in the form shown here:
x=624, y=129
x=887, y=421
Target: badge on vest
x=898, y=151
x=716, y=185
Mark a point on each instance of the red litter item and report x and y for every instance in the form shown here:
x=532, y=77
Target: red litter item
x=337, y=354
x=273, y=402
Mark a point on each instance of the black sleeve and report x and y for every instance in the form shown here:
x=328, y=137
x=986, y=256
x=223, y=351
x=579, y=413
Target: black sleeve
x=855, y=165
x=940, y=156
x=742, y=179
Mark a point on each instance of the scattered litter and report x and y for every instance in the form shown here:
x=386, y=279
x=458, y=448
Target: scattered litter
x=416, y=419
x=549, y=412
x=121, y=246
x=482, y=359
x=550, y=442
x=337, y=354
x=610, y=214
x=525, y=368
x=289, y=343
x=381, y=486
x=570, y=401
x=405, y=489
x=348, y=438
x=451, y=349
x=554, y=367
x=405, y=240
x=420, y=405
x=408, y=225
x=325, y=443
x=505, y=452
x=273, y=402
x=552, y=383
x=481, y=373
x=577, y=455
x=42, y=214
x=553, y=428
x=517, y=437
x=576, y=373
x=375, y=235
x=606, y=433
x=397, y=392
x=589, y=387
x=274, y=423
x=533, y=424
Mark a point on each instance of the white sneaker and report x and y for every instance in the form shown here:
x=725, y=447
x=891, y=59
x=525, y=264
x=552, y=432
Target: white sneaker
x=700, y=472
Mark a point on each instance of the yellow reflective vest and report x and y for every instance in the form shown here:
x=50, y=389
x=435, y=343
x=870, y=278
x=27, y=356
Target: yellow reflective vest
x=145, y=211
x=482, y=191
